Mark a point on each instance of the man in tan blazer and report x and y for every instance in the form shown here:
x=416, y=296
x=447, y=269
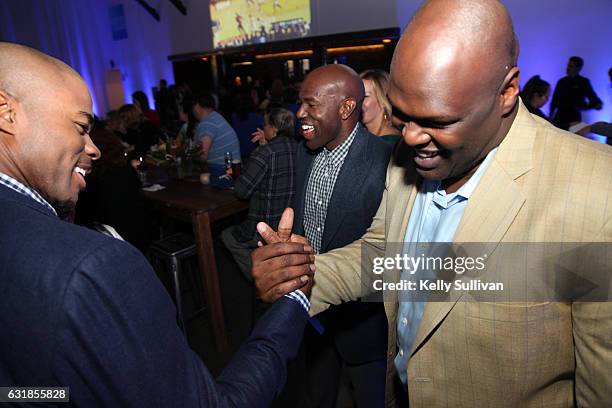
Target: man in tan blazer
x=454, y=89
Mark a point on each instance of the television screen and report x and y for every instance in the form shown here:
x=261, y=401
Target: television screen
x=242, y=22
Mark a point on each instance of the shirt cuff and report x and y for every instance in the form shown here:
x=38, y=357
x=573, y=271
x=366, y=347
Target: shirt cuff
x=301, y=298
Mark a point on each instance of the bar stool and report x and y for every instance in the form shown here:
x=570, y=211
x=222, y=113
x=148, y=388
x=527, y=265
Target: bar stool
x=172, y=251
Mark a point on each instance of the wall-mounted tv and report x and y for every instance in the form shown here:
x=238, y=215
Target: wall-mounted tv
x=243, y=22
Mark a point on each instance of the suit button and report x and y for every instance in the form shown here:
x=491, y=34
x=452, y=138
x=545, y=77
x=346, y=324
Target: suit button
x=401, y=353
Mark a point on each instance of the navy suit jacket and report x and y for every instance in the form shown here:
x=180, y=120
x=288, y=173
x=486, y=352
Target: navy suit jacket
x=359, y=329
x=83, y=310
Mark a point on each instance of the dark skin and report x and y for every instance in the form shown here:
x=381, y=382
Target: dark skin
x=331, y=98
x=454, y=89
x=45, y=120
x=447, y=102
x=285, y=264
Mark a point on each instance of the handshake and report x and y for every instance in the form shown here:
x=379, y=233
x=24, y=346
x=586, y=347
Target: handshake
x=284, y=263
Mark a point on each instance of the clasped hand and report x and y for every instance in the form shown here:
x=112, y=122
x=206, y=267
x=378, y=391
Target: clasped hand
x=284, y=263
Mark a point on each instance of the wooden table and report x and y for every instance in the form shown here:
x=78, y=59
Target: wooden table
x=201, y=205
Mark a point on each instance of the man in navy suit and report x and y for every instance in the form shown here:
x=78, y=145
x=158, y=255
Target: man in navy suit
x=82, y=310
x=340, y=178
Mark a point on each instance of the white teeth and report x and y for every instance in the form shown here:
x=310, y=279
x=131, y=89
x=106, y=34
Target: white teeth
x=427, y=155
x=307, y=127
x=79, y=170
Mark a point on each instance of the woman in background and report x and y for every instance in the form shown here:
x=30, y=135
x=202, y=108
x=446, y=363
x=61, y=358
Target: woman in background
x=139, y=131
x=187, y=129
x=376, y=110
x=140, y=99
x=535, y=94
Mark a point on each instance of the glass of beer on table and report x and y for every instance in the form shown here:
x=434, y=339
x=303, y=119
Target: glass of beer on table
x=236, y=167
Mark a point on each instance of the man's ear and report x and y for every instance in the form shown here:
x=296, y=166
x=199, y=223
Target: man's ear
x=347, y=107
x=7, y=113
x=510, y=90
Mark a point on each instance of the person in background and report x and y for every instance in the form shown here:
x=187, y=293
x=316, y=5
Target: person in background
x=376, y=114
x=268, y=181
x=79, y=309
x=112, y=195
x=535, y=94
x=600, y=128
x=475, y=166
x=139, y=131
x=340, y=179
x=263, y=99
x=187, y=129
x=244, y=120
x=573, y=94
x=277, y=90
x=165, y=104
x=213, y=132
x=114, y=123
x=141, y=101
x=258, y=136
x=181, y=94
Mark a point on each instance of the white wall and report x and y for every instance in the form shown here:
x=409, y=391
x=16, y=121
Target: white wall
x=190, y=33
x=79, y=33
x=549, y=32
x=142, y=57
x=341, y=16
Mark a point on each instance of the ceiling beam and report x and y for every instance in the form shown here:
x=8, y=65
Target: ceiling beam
x=180, y=6
x=150, y=9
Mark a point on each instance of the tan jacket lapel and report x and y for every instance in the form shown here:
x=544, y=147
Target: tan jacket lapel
x=492, y=207
x=400, y=203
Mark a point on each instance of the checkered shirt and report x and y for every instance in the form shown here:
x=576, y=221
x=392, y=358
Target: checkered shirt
x=268, y=179
x=325, y=170
x=301, y=298
x=25, y=190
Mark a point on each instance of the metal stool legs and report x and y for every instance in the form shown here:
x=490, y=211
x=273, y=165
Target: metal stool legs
x=171, y=251
x=177, y=292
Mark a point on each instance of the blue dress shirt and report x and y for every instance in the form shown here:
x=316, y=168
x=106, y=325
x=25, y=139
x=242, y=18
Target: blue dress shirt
x=435, y=218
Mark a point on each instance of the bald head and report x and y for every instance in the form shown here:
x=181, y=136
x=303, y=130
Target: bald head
x=339, y=79
x=45, y=120
x=450, y=35
x=26, y=72
x=454, y=85
x=331, y=104
x=483, y=24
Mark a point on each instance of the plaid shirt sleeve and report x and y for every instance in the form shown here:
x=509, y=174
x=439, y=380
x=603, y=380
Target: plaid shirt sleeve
x=252, y=174
x=299, y=296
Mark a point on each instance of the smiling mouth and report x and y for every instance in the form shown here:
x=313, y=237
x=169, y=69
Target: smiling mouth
x=81, y=171
x=427, y=154
x=307, y=130
x=428, y=159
